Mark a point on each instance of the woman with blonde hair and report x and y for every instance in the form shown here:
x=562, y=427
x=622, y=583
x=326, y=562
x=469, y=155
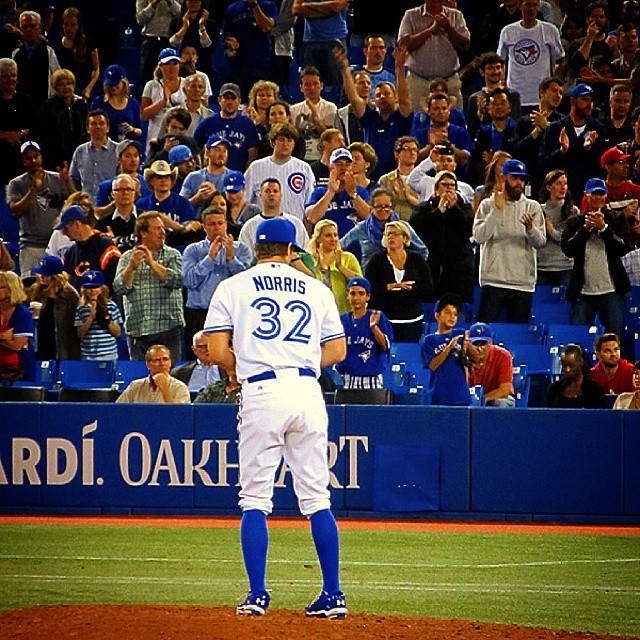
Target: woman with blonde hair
x=491, y=178
x=400, y=282
x=334, y=266
x=17, y=352
x=57, y=336
x=262, y=94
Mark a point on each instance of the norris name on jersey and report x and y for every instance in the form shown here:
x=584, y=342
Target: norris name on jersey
x=279, y=283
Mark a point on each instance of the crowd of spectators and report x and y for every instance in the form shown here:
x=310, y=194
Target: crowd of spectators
x=431, y=151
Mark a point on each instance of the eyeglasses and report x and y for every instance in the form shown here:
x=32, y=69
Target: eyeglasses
x=409, y=149
x=392, y=234
x=382, y=207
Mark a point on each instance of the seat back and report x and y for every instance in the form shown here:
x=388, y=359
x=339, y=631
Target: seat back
x=79, y=374
x=547, y=294
x=23, y=394
x=511, y=334
x=521, y=385
x=364, y=396
x=539, y=359
x=87, y=394
x=129, y=370
x=550, y=313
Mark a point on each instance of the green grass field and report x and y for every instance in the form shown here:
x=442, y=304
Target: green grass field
x=588, y=583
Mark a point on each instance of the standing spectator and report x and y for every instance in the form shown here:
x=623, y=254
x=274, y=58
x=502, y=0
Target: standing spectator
x=238, y=209
x=445, y=223
x=325, y=27
x=444, y=353
x=617, y=123
x=531, y=49
x=91, y=251
x=278, y=112
x=330, y=140
x=314, y=114
x=295, y=175
x=59, y=241
x=554, y=267
x=36, y=60
x=375, y=50
x=237, y=129
x=347, y=119
x=98, y=319
x=17, y=117
x=78, y=53
x=576, y=142
x=194, y=93
x=206, y=263
x=35, y=199
x=262, y=95
x=159, y=94
x=150, y=281
x=597, y=240
x=61, y=124
x=57, y=336
x=122, y=109
x=9, y=32
x=400, y=282
x=392, y=115
x=158, y=387
x=173, y=131
x=403, y=197
x=154, y=16
x=181, y=157
x=492, y=367
x=613, y=373
x=434, y=35
x=333, y=266
x=364, y=163
x=625, y=68
x=247, y=37
x=509, y=228
x=96, y=160
x=121, y=221
x=17, y=351
x=369, y=335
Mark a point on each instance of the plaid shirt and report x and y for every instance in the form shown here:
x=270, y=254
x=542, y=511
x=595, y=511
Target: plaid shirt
x=152, y=306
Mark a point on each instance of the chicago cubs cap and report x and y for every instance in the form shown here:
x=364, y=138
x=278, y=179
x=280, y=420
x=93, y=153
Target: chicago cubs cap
x=30, y=144
x=168, y=55
x=123, y=145
x=613, y=155
x=92, y=279
x=179, y=154
x=514, y=168
x=71, y=214
x=359, y=282
x=234, y=181
x=277, y=230
x=113, y=75
x=480, y=332
x=230, y=87
x=581, y=90
x=340, y=154
x=215, y=141
x=595, y=185
x=49, y=266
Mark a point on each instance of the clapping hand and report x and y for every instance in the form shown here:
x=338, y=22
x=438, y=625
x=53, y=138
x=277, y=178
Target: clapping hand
x=374, y=319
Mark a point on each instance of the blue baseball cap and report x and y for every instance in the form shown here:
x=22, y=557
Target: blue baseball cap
x=340, y=154
x=277, y=230
x=234, y=181
x=179, y=154
x=49, y=266
x=113, y=75
x=71, y=214
x=215, y=141
x=480, y=332
x=359, y=282
x=168, y=55
x=514, y=168
x=595, y=185
x=581, y=90
x=92, y=279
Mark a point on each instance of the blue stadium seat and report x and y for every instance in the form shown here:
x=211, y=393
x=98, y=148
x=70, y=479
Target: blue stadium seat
x=477, y=396
x=512, y=334
x=561, y=335
x=395, y=375
x=521, y=385
x=128, y=370
x=550, y=313
x=85, y=374
x=410, y=395
x=405, y=352
x=46, y=375
x=545, y=294
x=539, y=359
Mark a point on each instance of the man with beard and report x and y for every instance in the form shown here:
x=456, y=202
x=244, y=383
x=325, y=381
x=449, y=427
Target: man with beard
x=613, y=373
x=576, y=142
x=509, y=228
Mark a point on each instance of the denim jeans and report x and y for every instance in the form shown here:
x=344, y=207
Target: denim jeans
x=516, y=303
x=172, y=339
x=608, y=306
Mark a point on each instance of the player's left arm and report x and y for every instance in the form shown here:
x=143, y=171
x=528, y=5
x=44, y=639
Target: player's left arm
x=220, y=349
x=333, y=351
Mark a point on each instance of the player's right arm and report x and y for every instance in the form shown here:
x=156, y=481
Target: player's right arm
x=333, y=351
x=220, y=350
x=437, y=361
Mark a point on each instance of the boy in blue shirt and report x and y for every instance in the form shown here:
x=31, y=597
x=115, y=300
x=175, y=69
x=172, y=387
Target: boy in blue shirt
x=444, y=352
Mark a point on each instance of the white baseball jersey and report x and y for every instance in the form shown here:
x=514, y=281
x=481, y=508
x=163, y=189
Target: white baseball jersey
x=296, y=181
x=249, y=228
x=279, y=317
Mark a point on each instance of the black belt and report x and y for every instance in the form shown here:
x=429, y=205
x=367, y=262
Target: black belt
x=271, y=375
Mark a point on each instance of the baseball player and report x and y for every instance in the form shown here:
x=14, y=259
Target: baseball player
x=285, y=326
x=369, y=336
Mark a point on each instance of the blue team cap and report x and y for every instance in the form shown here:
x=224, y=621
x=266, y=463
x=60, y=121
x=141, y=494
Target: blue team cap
x=215, y=141
x=514, y=168
x=277, y=230
x=113, y=75
x=480, y=332
x=360, y=282
x=595, y=185
x=71, y=214
x=581, y=90
x=168, y=55
x=179, y=154
x=92, y=279
x=234, y=181
x=49, y=266
x=340, y=154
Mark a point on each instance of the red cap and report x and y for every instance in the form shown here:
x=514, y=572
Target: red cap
x=613, y=155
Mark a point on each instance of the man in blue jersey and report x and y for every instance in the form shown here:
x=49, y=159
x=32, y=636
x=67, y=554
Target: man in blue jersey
x=369, y=336
x=444, y=352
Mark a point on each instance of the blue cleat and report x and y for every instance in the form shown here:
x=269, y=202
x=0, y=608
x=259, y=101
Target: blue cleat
x=256, y=604
x=328, y=605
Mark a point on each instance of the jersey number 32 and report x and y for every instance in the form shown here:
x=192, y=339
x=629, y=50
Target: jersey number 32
x=272, y=318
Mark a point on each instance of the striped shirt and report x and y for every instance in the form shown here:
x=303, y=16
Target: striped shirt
x=98, y=343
